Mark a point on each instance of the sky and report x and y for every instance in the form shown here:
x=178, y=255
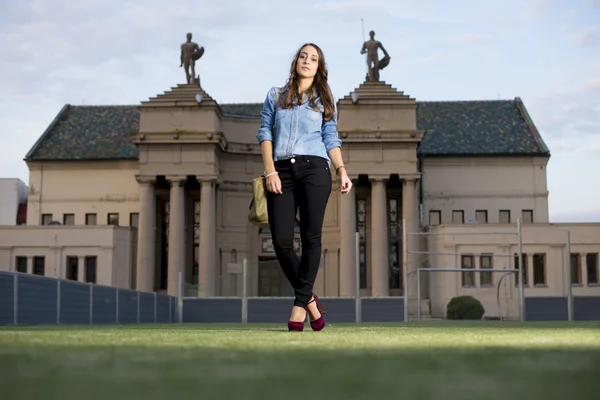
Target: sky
x=96, y=52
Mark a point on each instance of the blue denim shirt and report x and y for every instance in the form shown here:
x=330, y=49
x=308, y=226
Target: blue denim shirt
x=299, y=130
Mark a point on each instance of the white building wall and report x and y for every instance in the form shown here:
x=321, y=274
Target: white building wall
x=12, y=192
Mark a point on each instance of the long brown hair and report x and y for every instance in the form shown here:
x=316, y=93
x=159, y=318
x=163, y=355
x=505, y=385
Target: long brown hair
x=319, y=84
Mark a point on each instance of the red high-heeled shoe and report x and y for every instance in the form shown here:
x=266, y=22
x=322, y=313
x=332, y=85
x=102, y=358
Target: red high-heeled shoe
x=319, y=323
x=295, y=326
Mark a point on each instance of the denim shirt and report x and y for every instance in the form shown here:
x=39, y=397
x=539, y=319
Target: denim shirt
x=297, y=131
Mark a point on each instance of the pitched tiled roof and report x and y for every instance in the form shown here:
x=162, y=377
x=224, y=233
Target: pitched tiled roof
x=453, y=128
x=494, y=127
x=89, y=133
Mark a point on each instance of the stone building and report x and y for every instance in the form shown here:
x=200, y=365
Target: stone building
x=144, y=192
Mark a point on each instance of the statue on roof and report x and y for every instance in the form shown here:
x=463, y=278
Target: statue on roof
x=374, y=64
x=190, y=53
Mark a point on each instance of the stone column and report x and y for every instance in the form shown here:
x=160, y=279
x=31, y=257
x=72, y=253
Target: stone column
x=409, y=212
x=347, y=217
x=146, y=240
x=379, y=240
x=176, y=234
x=206, y=264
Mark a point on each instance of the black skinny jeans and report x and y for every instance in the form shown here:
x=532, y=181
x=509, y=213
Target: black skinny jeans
x=306, y=185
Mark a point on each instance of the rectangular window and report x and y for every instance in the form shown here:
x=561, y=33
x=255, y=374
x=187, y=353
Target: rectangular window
x=525, y=269
x=485, y=262
x=39, y=266
x=458, y=217
x=90, y=268
x=592, y=268
x=46, y=219
x=69, y=219
x=435, y=217
x=575, y=269
x=21, y=264
x=539, y=269
x=72, y=269
x=468, y=277
x=134, y=220
x=90, y=219
x=504, y=217
x=113, y=219
x=481, y=216
x=527, y=216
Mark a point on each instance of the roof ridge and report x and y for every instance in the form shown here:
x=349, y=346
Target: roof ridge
x=103, y=105
x=469, y=101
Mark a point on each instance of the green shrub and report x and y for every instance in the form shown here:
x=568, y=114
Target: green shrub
x=464, y=307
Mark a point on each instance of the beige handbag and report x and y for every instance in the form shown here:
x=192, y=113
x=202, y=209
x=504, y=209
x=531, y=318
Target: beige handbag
x=258, y=207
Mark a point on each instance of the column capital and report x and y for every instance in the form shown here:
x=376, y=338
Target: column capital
x=209, y=179
x=174, y=179
x=379, y=178
x=410, y=178
x=149, y=179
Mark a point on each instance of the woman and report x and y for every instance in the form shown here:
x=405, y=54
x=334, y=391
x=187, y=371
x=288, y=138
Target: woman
x=299, y=139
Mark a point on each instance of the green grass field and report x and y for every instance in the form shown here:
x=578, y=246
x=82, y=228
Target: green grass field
x=429, y=360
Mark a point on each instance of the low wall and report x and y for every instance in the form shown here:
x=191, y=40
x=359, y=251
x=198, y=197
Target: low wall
x=277, y=309
x=27, y=299
x=555, y=308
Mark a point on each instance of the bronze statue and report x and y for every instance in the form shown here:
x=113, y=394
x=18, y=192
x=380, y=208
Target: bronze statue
x=374, y=64
x=190, y=53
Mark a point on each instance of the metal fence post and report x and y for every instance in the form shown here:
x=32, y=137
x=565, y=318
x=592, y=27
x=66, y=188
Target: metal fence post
x=180, y=299
x=358, y=308
x=91, y=303
x=58, y=301
x=569, y=282
x=418, y=294
x=155, y=307
x=245, y=291
x=521, y=272
x=405, y=267
x=117, y=305
x=16, y=299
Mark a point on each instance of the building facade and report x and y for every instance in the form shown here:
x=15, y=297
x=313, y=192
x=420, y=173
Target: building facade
x=13, y=201
x=170, y=180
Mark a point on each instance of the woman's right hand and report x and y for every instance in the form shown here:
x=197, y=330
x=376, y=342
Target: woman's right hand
x=274, y=184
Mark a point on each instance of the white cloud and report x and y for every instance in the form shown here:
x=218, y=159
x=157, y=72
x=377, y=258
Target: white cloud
x=568, y=113
x=588, y=36
x=536, y=9
x=115, y=52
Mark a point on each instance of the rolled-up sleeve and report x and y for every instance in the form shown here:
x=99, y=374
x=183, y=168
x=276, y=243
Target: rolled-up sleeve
x=330, y=133
x=267, y=117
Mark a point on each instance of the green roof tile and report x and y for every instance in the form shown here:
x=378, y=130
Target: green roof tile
x=453, y=128
x=495, y=127
x=89, y=133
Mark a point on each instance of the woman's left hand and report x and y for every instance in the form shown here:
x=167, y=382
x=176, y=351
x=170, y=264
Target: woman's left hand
x=345, y=182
